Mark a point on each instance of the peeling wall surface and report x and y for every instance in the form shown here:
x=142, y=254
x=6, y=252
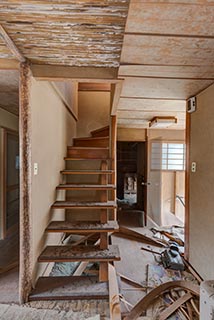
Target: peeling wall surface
x=201, y=233
x=52, y=130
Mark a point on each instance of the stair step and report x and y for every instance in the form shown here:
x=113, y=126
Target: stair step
x=88, y=153
x=102, y=132
x=69, y=288
x=82, y=226
x=99, y=142
x=83, y=205
x=68, y=172
x=67, y=253
x=86, y=187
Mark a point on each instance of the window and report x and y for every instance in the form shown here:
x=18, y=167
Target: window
x=168, y=156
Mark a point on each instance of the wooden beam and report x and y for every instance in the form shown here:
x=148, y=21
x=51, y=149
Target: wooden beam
x=116, y=90
x=86, y=74
x=11, y=45
x=187, y=187
x=174, y=306
x=9, y=64
x=25, y=269
x=114, y=299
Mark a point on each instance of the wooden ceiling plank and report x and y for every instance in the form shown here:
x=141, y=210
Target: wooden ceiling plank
x=174, y=17
x=188, y=72
x=167, y=51
x=163, y=88
x=11, y=45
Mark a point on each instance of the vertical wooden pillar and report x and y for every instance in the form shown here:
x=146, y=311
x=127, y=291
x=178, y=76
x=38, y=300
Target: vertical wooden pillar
x=25, y=269
x=113, y=155
x=187, y=185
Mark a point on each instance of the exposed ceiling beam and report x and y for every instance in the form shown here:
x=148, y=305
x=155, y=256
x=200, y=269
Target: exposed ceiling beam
x=9, y=64
x=64, y=73
x=151, y=98
x=11, y=45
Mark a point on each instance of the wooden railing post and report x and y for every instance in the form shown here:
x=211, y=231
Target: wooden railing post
x=113, y=156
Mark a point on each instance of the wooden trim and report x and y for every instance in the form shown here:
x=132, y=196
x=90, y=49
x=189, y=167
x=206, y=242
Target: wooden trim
x=11, y=45
x=187, y=186
x=116, y=89
x=143, y=304
x=149, y=98
x=5, y=131
x=146, y=159
x=166, y=78
x=86, y=74
x=114, y=299
x=9, y=64
x=168, y=35
x=68, y=108
x=25, y=271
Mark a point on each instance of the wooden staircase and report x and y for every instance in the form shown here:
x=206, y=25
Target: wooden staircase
x=99, y=150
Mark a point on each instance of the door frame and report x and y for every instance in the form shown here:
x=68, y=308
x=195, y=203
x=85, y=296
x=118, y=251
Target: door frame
x=4, y=132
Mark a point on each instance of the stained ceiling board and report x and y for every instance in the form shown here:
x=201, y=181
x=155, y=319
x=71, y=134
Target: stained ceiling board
x=171, y=17
x=167, y=50
x=179, y=72
x=72, y=33
x=162, y=88
x=151, y=104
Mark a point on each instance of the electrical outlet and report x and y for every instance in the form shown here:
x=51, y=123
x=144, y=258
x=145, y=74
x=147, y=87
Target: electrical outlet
x=35, y=169
x=193, y=167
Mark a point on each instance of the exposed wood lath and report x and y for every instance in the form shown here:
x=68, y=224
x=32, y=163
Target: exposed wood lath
x=72, y=33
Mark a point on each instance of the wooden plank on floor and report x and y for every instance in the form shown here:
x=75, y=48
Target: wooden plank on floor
x=69, y=288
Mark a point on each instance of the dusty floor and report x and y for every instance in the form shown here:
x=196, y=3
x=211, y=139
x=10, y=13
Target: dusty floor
x=9, y=286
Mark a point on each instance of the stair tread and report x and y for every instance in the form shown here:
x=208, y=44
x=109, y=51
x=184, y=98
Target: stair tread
x=100, y=129
x=92, y=138
x=82, y=204
x=66, y=253
x=87, y=171
x=75, y=158
x=82, y=226
x=69, y=288
x=85, y=148
x=86, y=186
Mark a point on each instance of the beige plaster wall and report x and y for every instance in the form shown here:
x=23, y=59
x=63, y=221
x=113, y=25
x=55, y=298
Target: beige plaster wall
x=52, y=130
x=10, y=121
x=93, y=111
x=201, y=185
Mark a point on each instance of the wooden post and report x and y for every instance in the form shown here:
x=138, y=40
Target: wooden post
x=113, y=155
x=103, y=274
x=187, y=185
x=25, y=269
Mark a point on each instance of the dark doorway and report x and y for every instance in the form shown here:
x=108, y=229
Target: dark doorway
x=131, y=174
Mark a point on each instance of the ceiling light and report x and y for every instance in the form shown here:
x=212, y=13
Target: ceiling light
x=162, y=122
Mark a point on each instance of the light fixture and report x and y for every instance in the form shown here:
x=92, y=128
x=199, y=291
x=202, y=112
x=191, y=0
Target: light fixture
x=162, y=122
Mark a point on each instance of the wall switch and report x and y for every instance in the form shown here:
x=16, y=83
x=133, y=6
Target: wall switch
x=35, y=169
x=193, y=167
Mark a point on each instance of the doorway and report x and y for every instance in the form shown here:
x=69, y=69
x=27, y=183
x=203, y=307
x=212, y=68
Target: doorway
x=131, y=176
x=9, y=241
